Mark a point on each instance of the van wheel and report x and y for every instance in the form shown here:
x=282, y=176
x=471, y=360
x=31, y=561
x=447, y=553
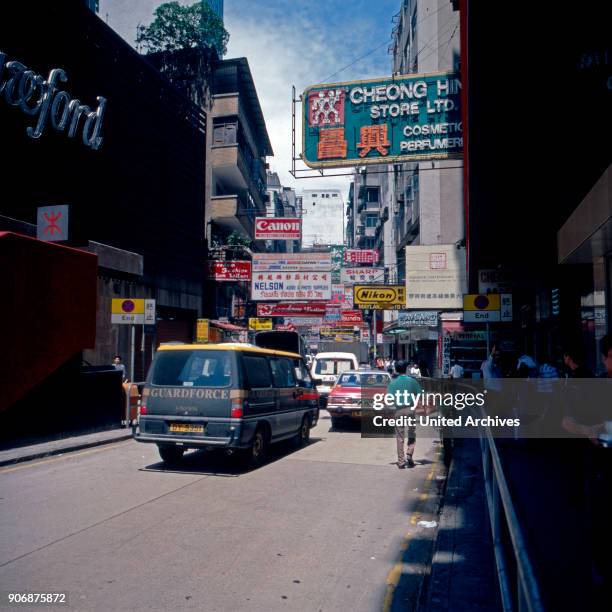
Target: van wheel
x=255, y=455
x=171, y=455
x=303, y=435
x=335, y=422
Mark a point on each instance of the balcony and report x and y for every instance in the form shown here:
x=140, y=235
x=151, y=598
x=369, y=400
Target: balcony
x=233, y=213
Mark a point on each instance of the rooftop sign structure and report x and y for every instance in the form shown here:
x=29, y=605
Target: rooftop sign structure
x=385, y=120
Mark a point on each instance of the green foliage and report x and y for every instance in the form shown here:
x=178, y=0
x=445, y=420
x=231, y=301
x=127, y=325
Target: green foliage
x=236, y=239
x=178, y=27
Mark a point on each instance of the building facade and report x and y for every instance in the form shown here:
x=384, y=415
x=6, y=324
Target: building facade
x=322, y=217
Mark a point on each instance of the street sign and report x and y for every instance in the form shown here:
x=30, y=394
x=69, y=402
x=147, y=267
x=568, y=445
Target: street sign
x=128, y=311
x=150, y=316
x=257, y=324
x=384, y=120
x=506, y=307
x=380, y=297
x=481, y=308
x=202, y=331
x=52, y=223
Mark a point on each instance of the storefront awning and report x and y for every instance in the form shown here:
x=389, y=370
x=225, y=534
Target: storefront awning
x=230, y=327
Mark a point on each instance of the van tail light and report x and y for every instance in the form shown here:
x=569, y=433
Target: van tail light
x=142, y=409
x=238, y=406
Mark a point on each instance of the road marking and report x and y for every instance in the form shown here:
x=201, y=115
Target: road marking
x=65, y=455
x=395, y=574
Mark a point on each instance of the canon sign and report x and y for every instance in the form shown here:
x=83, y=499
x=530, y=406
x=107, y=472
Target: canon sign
x=274, y=228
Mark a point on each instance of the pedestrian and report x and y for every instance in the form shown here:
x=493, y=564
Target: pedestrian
x=573, y=359
x=414, y=371
x=118, y=365
x=404, y=434
x=424, y=369
x=456, y=371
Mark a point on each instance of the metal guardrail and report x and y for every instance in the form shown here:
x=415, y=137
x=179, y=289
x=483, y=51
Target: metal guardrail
x=518, y=585
x=517, y=582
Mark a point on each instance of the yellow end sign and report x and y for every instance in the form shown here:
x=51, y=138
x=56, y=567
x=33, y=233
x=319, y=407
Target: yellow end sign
x=202, y=331
x=127, y=306
x=475, y=301
x=380, y=297
x=259, y=324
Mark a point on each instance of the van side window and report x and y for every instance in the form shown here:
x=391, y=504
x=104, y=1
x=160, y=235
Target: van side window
x=301, y=373
x=257, y=371
x=282, y=372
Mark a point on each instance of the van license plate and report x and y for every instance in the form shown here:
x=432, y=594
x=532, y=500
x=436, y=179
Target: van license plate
x=186, y=428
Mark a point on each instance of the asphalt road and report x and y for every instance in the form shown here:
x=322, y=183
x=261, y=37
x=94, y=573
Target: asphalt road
x=333, y=526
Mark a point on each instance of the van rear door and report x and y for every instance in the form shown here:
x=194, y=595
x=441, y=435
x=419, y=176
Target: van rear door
x=191, y=383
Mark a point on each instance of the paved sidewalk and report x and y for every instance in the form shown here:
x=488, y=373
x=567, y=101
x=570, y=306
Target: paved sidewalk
x=65, y=445
x=463, y=574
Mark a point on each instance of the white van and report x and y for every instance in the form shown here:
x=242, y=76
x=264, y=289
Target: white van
x=326, y=367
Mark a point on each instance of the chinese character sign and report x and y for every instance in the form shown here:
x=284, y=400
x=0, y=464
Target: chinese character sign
x=403, y=118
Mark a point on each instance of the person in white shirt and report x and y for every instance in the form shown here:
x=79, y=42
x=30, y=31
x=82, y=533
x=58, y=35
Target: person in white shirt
x=456, y=371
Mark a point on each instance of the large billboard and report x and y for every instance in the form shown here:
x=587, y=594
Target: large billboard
x=384, y=120
x=277, y=228
x=302, y=285
x=435, y=276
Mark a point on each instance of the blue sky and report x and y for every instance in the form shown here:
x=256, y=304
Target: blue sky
x=289, y=42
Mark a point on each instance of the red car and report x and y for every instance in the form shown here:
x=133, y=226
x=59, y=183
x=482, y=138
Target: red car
x=354, y=391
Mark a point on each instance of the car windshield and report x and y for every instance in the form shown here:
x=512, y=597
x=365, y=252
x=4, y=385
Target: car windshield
x=196, y=368
x=363, y=380
x=333, y=366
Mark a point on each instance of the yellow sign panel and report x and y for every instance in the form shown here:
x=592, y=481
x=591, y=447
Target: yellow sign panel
x=380, y=297
x=258, y=324
x=475, y=301
x=202, y=331
x=127, y=306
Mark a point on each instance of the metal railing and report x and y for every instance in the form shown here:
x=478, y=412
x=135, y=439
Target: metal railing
x=517, y=582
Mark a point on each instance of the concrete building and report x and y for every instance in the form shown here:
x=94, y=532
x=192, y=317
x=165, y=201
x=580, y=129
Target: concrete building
x=322, y=217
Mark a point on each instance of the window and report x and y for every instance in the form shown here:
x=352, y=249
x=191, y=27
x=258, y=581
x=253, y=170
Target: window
x=333, y=366
x=372, y=194
x=199, y=368
x=302, y=374
x=334, y=195
x=225, y=133
x=282, y=372
x=314, y=195
x=371, y=221
x=257, y=371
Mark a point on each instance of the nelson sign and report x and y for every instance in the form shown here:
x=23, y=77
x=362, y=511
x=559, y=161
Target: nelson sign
x=387, y=120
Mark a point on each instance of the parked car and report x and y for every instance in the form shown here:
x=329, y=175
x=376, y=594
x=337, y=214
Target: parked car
x=353, y=392
x=236, y=397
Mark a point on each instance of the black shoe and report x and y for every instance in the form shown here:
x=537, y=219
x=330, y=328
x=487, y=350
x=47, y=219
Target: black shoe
x=410, y=463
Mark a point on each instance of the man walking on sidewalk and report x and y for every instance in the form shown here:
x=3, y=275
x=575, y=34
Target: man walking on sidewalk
x=400, y=384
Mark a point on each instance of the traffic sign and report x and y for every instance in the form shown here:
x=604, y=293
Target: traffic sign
x=128, y=311
x=481, y=308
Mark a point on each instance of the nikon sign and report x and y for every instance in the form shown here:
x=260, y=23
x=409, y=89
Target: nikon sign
x=403, y=118
x=379, y=297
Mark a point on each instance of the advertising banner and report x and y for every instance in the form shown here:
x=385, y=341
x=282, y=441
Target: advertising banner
x=351, y=316
x=291, y=310
x=291, y=286
x=418, y=318
x=257, y=324
x=435, y=276
x=380, y=297
x=229, y=270
x=361, y=276
x=385, y=120
x=278, y=228
x=202, y=330
x=292, y=262
x=361, y=256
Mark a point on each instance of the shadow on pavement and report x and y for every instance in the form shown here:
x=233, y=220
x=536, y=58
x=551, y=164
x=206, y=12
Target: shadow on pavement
x=219, y=463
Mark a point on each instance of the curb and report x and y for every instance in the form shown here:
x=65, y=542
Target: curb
x=64, y=449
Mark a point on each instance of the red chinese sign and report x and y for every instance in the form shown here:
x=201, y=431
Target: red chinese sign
x=277, y=228
x=302, y=309
x=369, y=256
x=229, y=270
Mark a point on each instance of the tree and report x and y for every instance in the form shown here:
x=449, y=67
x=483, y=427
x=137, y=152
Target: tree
x=178, y=27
